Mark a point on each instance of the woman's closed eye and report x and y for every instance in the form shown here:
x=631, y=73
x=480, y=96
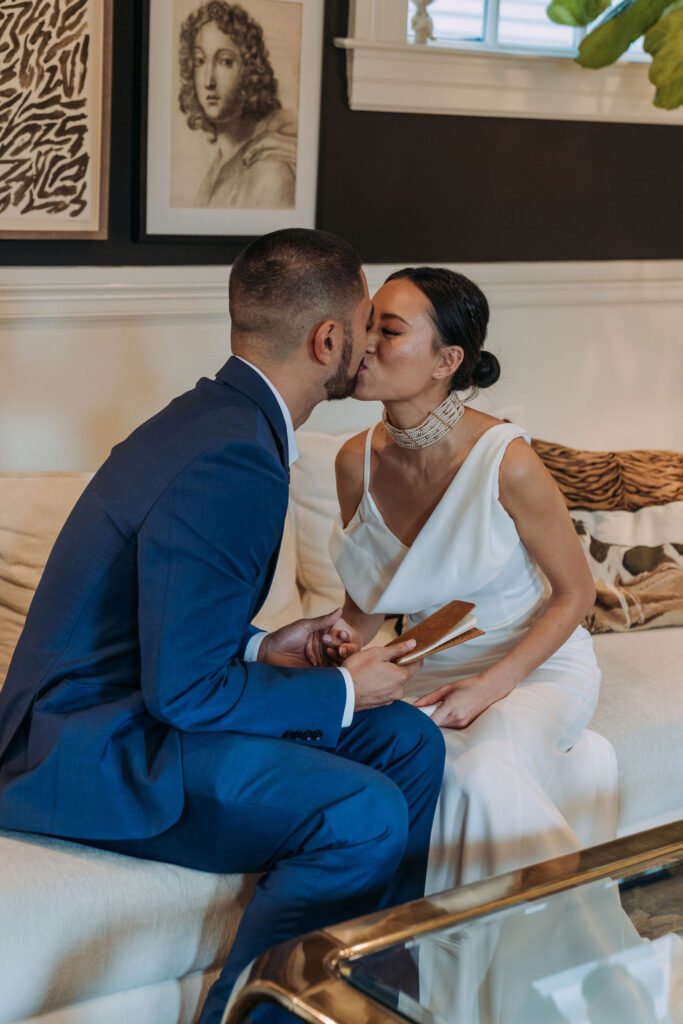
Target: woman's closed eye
x=390, y=333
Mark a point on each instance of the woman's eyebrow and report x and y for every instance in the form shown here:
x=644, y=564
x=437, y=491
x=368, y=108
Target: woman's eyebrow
x=395, y=316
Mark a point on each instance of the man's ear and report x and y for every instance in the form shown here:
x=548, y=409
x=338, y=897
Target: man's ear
x=323, y=341
x=450, y=358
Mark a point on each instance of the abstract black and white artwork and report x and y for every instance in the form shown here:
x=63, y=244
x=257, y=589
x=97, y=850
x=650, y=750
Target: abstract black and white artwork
x=55, y=66
x=232, y=144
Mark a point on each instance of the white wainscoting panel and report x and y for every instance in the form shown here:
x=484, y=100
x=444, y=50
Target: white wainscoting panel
x=592, y=353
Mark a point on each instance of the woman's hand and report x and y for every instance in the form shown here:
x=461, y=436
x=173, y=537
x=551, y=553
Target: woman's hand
x=334, y=645
x=460, y=702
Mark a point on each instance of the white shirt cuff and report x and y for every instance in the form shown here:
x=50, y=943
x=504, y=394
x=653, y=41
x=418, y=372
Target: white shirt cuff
x=350, y=705
x=251, y=654
x=252, y=648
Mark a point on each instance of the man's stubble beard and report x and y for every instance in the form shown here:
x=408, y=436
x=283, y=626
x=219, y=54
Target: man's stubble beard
x=341, y=384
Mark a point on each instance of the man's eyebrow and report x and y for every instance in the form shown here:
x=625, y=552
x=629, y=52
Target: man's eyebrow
x=386, y=316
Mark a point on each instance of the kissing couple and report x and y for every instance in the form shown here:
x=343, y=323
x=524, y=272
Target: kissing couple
x=143, y=713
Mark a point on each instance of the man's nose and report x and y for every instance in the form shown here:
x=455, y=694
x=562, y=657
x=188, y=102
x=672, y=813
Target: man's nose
x=209, y=75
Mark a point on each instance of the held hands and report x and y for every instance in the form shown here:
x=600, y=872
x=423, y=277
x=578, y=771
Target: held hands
x=460, y=702
x=331, y=646
x=376, y=679
x=288, y=646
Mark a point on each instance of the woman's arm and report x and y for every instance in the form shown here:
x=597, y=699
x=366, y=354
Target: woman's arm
x=530, y=496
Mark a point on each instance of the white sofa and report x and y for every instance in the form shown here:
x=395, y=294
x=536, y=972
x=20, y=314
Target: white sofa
x=88, y=937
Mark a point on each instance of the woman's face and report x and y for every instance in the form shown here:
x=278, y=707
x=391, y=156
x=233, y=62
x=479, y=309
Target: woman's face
x=217, y=72
x=400, y=359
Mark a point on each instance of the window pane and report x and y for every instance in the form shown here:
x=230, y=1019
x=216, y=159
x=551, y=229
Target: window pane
x=453, y=20
x=525, y=23
x=636, y=52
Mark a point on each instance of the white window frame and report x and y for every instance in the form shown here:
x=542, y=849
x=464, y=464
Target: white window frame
x=386, y=73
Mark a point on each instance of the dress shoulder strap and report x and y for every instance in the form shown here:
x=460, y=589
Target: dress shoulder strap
x=368, y=456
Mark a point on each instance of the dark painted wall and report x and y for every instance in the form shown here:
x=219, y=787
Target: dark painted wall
x=421, y=187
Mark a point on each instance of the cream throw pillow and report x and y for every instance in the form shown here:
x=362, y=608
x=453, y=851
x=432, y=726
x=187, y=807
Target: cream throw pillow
x=313, y=506
x=33, y=508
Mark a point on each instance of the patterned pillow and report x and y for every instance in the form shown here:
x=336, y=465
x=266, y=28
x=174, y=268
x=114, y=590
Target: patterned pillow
x=613, y=480
x=636, y=559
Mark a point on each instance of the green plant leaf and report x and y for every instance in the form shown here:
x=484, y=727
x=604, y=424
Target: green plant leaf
x=576, y=12
x=665, y=42
x=621, y=26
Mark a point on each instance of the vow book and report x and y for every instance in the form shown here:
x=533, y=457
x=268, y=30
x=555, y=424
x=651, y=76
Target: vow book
x=453, y=624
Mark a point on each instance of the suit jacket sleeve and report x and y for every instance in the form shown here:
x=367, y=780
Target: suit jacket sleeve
x=203, y=557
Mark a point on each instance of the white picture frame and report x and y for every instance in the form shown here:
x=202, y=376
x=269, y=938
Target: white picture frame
x=237, y=176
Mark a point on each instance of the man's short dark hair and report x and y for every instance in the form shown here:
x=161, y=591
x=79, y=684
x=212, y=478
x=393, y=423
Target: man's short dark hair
x=285, y=283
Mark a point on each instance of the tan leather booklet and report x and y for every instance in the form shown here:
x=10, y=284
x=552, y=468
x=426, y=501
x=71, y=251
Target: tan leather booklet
x=453, y=624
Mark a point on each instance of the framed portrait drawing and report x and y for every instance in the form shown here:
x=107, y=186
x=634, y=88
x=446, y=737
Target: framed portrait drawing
x=55, y=69
x=233, y=103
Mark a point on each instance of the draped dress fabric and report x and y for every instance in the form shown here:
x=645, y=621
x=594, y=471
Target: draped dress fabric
x=526, y=780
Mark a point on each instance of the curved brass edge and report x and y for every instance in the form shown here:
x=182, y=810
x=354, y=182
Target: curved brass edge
x=331, y=1002
x=305, y=974
x=618, y=857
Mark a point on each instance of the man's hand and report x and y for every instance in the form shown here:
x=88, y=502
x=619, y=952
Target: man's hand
x=331, y=646
x=287, y=646
x=376, y=679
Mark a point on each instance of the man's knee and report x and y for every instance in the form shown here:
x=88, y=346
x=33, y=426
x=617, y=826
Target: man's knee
x=416, y=737
x=376, y=814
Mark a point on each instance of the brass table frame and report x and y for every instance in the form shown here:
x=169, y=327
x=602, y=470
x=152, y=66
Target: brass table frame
x=305, y=975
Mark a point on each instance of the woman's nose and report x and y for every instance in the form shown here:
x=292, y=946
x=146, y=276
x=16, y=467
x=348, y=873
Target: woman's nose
x=209, y=75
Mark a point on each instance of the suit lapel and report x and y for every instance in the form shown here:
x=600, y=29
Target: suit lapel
x=241, y=377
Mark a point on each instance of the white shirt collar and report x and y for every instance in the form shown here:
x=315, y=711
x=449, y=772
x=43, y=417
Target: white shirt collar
x=293, y=451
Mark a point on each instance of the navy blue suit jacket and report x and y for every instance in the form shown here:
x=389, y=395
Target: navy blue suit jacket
x=138, y=628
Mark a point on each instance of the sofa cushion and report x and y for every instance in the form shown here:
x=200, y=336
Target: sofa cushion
x=619, y=480
x=33, y=508
x=78, y=923
x=640, y=712
x=313, y=506
x=636, y=560
x=283, y=603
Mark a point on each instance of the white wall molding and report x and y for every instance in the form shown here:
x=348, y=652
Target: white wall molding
x=403, y=78
x=592, y=353
x=143, y=294
x=112, y=294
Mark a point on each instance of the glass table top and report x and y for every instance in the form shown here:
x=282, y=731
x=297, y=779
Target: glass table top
x=606, y=951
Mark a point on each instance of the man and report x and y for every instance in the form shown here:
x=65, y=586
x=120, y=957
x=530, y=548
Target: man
x=142, y=713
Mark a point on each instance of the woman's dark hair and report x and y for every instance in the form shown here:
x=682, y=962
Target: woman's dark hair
x=258, y=86
x=460, y=314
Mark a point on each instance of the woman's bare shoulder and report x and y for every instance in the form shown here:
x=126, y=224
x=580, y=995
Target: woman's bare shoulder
x=348, y=463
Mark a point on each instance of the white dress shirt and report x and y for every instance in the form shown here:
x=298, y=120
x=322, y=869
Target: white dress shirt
x=253, y=645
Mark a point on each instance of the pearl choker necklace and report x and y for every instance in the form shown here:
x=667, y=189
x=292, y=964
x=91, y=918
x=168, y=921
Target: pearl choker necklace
x=432, y=429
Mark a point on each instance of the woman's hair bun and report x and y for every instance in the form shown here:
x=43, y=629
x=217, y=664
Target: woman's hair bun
x=486, y=371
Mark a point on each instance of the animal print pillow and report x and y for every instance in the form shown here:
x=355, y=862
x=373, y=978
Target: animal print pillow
x=636, y=559
x=613, y=480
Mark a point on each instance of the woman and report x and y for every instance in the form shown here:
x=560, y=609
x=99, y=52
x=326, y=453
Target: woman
x=229, y=91
x=442, y=502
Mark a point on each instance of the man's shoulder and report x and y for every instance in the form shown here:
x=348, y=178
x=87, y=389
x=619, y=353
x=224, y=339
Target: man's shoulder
x=213, y=422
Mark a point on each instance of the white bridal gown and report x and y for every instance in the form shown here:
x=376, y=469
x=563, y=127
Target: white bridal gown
x=525, y=781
